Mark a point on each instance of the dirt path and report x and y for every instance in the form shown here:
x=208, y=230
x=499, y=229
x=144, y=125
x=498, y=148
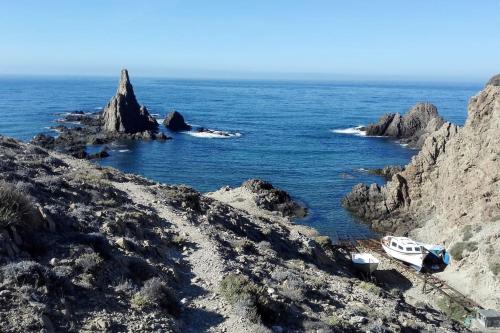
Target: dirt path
x=206, y=311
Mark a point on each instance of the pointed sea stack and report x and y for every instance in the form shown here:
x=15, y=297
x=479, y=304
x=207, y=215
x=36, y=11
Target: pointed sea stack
x=123, y=114
x=175, y=122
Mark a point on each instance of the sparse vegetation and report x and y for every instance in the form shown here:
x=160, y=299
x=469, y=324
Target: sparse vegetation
x=324, y=241
x=242, y=294
x=155, y=293
x=89, y=262
x=15, y=208
x=370, y=287
x=467, y=233
x=495, y=268
x=459, y=247
x=452, y=309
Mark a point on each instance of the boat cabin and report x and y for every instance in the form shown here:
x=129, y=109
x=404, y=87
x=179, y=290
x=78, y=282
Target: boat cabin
x=403, y=244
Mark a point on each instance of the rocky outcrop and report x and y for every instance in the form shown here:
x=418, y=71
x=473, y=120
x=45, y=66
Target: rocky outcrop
x=175, y=122
x=268, y=197
x=387, y=172
x=123, y=114
x=452, y=185
x=412, y=128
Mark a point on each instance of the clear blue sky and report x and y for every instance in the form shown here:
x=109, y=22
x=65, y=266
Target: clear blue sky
x=365, y=39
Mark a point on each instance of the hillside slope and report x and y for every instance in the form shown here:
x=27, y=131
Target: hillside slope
x=86, y=249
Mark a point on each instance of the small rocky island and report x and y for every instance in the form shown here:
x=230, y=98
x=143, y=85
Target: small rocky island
x=123, y=118
x=412, y=128
x=175, y=122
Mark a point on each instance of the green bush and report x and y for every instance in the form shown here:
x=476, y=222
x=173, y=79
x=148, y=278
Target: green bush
x=235, y=287
x=154, y=293
x=15, y=208
x=243, y=294
x=459, y=247
x=467, y=233
x=452, y=309
x=89, y=262
x=495, y=267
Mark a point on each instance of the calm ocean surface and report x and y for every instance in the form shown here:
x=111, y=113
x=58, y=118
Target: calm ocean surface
x=286, y=126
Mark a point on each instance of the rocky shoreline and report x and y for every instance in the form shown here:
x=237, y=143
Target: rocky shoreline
x=449, y=194
x=86, y=248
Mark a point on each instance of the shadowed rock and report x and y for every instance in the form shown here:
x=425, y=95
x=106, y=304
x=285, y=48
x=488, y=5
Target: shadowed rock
x=175, y=122
x=412, y=128
x=123, y=114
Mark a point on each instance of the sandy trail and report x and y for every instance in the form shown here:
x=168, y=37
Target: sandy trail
x=205, y=310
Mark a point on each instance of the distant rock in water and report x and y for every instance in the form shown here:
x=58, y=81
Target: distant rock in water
x=123, y=114
x=175, y=122
x=412, y=128
x=494, y=81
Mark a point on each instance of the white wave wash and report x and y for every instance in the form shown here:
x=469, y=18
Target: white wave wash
x=351, y=130
x=213, y=134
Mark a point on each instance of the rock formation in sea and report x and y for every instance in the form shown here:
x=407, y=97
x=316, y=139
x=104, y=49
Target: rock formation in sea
x=123, y=114
x=85, y=248
x=175, y=122
x=386, y=172
x=449, y=193
x=411, y=128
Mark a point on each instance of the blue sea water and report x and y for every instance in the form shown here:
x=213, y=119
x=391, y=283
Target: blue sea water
x=287, y=129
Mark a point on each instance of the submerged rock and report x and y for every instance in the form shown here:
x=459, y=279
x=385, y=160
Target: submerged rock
x=123, y=114
x=412, y=128
x=175, y=122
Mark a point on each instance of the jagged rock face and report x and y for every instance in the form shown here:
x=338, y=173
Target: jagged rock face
x=123, y=114
x=412, y=128
x=175, y=122
x=453, y=184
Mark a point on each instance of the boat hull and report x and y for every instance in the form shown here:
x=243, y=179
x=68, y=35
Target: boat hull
x=413, y=259
x=367, y=268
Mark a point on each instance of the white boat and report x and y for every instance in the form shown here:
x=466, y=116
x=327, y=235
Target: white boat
x=420, y=256
x=364, y=262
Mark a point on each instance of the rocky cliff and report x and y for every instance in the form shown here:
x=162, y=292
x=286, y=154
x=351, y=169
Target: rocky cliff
x=450, y=193
x=123, y=114
x=411, y=128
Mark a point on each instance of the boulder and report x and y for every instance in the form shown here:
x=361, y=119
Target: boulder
x=175, y=122
x=268, y=197
x=123, y=114
x=412, y=128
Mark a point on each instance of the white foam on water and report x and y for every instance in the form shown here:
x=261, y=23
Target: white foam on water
x=213, y=134
x=160, y=120
x=351, y=131
x=123, y=150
